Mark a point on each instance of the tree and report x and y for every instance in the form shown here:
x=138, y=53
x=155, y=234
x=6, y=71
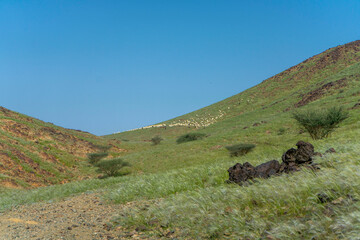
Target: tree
x=321, y=123
x=111, y=167
x=156, y=140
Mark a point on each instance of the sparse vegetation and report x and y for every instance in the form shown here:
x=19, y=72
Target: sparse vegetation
x=112, y=167
x=156, y=140
x=320, y=123
x=190, y=137
x=240, y=149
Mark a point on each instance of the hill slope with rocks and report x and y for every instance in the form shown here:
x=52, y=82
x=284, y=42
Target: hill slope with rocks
x=34, y=153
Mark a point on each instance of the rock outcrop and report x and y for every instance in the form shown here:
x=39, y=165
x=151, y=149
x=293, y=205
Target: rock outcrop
x=292, y=160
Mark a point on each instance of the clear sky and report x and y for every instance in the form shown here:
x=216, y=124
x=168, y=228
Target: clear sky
x=108, y=66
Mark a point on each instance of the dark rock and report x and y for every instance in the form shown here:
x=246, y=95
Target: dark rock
x=305, y=152
x=317, y=154
x=323, y=197
x=140, y=228
x=292, y=160
x=256, y=124
x=267, y=169
x=289, y=156
x=241, y=173
x=357, y=105
x=330, y=150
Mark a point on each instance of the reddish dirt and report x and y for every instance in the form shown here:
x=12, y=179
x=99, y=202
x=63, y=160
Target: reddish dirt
x=27, y=144
x=333, y=59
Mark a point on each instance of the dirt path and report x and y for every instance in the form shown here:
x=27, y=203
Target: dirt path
x=82, y=217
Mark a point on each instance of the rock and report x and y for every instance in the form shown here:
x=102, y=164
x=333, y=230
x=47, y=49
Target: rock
x=292, y=160
x=317, y=154
x=330, y=150
x=267, y=169
x=289, y=156
x=256, y=124
x=323, y=197
x=305, y=152
x=140, y=228
x=357, y=105
x=241, y=173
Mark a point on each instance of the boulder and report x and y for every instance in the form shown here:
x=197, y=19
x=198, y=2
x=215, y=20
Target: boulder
x=241, y=172
x=330, y=150
x=267, y=169
x=292, y=160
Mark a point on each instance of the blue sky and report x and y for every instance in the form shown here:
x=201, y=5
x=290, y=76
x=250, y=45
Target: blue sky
x=107, y=66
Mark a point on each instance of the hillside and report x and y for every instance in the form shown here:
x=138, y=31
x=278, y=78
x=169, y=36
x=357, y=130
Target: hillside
x=180, y=191
x=331, y=78
x=34, y=153
x=318, y=77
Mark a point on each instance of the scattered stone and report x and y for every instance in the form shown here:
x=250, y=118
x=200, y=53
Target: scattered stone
x=330, y=150
x=323, y=197
x=140, y=228
x=357, y=105
x=256, y=124
x=317, y=154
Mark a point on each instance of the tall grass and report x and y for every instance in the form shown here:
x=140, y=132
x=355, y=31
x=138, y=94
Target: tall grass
x=285, y=207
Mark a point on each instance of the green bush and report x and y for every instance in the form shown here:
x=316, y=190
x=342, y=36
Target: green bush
x=111, y=167
x=103, y=148
x=156, y=140
x=320, y=123
x=239, y=149
x=281, y=131
x=96, y=157
x=190, y=137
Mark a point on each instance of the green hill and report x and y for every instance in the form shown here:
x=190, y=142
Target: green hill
x=179, y=191
x=331, y=78
x=34, y=153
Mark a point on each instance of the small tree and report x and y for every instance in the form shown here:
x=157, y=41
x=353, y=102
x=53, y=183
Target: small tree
x=111, y=167
x=96, y=157
x=156, y=140
x=190, y=137
x=239, y=149
x=320, y=123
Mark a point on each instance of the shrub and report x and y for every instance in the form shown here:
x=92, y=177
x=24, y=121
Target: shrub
x=111, y=167
x=281, y=131
x=319, y=124
x=190, y=137
x=156, y=140
x=96, y=157
x=239, y=149
x=103, y=148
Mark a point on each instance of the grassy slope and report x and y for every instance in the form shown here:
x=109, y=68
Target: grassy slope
x=35, y=153
x=182, y=187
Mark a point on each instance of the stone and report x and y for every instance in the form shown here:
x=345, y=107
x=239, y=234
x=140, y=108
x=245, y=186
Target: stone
x=330, y=150
x=267, y=169
x=292, y=160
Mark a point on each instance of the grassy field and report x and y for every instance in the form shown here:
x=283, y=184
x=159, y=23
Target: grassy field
x=181, y=189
